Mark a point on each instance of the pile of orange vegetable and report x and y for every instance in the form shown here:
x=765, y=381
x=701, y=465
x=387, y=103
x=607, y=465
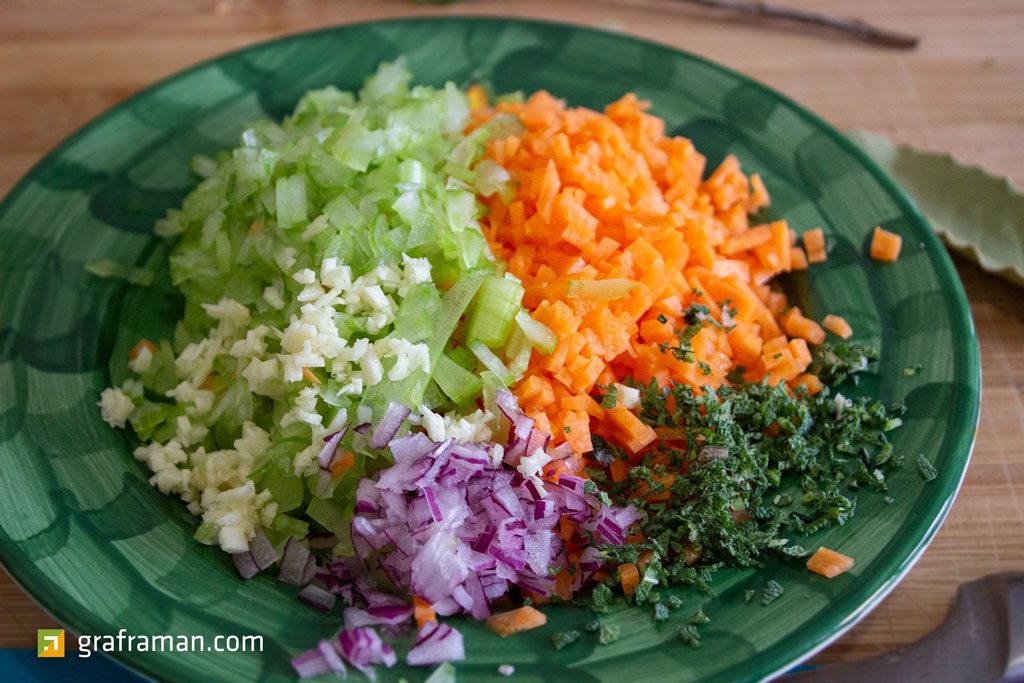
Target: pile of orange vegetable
x=614, y=234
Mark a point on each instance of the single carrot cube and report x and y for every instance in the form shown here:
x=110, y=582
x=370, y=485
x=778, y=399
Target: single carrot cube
x=838, y=326
x=829, y=563
x=885, y=245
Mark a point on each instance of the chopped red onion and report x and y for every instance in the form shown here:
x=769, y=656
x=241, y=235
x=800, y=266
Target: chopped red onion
x=431, y=498
x=390, y=615
x=262, y=550
x=389, y=424
x=261, y=554
x=362, y=647
x=376, y=598
x=293, y=563
x=333, y=658
x=310, y=570
x=317, y=597
x=436, y=643
x=310, y=663
x=329, y=452
x=450, y=524
x=575, y=484
x=245, y=565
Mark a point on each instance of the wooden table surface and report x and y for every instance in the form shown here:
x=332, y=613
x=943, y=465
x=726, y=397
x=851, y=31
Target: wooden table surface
x=62, y=62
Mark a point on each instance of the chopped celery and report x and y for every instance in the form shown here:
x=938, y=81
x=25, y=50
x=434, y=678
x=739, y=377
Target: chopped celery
x=544, y=340
x=333, y=262
x=518, y=350
x=290, y=526
x=492, y=362
x=206, y=533
x=288, y=490
x=455, y=302
x=291, y=201
x=329, y=515
x=414, y=321
x=495, y=308
x=462, y=356
x=457, y=383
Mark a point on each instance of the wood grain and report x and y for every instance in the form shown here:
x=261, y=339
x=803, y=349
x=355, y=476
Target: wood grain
x=961, y=91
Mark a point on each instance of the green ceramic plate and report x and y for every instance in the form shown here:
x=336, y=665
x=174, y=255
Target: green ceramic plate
x=85, y=534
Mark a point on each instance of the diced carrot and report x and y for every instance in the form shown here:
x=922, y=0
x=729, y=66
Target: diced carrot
x=773, y=346
x=837, y=325
x=614, y=235
x=797, y=325
x=811, y=382
x=308, y=375
x=342, y=464
x=576, y=425
x=829, y=563
x=885, y=245
x=633, y=434
x=758, y=193
x=517, y=620
x=798, y=347
x=423, y=611
x=566, y=528
x=753, y=237
x=629, y=577
x=619, y=470
x=137, y=349
x=799, y=259
x=814, y=244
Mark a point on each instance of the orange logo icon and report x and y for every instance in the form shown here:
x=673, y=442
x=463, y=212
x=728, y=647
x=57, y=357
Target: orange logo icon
x=50, y=642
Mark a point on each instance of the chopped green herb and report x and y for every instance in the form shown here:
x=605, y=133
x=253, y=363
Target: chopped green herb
x=609, y=634
x=688, y=634
x=661, y=612
x=912, y=370
x=593, y=626
x=834, y=362
x=601, y=598
x=563, y=639
x=610, y=398
x=748, y=595
x=926, y=468
x=674, y=602
x=698, y=617
x=735, y=375
x=784, y=463
x=772, y=590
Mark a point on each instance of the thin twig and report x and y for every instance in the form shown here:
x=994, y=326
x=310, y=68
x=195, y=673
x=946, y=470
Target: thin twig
x=852, y=27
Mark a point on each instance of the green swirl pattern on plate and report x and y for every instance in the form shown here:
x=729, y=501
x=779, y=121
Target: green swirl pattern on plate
x=84, y=533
